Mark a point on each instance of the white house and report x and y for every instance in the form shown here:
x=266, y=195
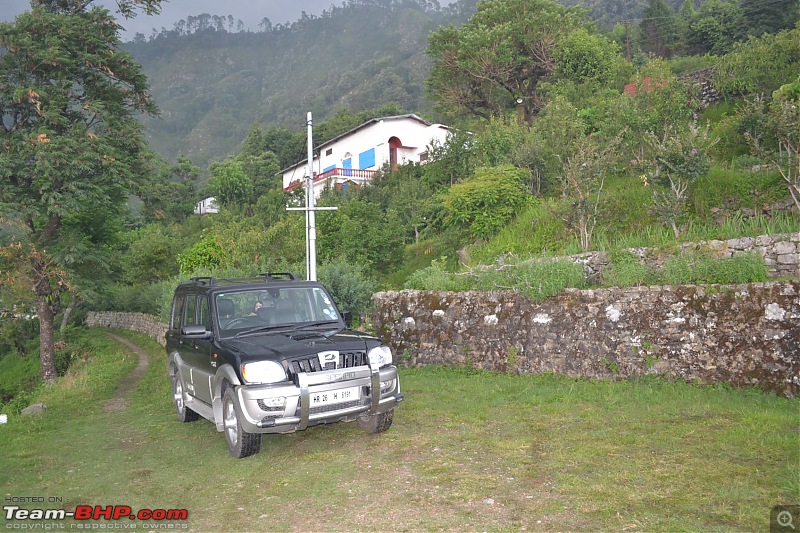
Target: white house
x=352, y=158
x=206, y=206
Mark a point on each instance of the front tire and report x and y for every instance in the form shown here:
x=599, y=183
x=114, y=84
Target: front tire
x=184, y=413
x=240, y=443
x=376, y=423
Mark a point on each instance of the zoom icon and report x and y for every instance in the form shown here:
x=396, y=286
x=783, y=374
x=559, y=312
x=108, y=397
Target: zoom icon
x=784, y=518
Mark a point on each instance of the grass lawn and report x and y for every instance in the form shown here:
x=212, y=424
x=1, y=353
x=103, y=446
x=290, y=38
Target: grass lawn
x=468, y=451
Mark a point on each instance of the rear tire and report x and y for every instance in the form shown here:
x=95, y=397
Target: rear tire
x=184, y=413
x=240, y=443
x=376, y=423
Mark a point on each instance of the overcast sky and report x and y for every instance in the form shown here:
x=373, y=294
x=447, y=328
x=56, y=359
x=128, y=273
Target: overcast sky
x=249, y=11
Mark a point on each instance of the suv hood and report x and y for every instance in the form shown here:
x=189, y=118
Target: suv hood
x=277, y=346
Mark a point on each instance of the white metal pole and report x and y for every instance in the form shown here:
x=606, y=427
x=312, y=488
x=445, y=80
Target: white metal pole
x=309, y=186
x=310, y=215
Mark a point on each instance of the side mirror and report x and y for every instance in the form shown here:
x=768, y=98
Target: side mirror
x=348, y=318
x=197, y=331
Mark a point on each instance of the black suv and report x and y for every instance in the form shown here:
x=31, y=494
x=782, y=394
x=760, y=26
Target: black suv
x=273, y=355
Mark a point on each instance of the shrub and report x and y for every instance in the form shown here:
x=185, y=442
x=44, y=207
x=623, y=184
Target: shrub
x=488, y=201
x=139, y=298
x=350, y=286
x=17, y=334
x=17, y=373
x=206, y=253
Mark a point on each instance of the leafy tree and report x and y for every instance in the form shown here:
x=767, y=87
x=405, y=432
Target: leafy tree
x=583, y=176
x=127, y=8
x=259, y=164
x=360, y=232
x=779, y=139
x=676, y=160
x=716, y=27
x=407, y=199
x=288, y=146
x=150, y=256
x=769, y=16
x=588, y=58
x=499, y=57
x=229, y=184
x=759, y=65
x=69, y=139
x=559, y=127
x=170, y=192
x=498, y=141
x=270, y=207
x=658, y=29
x=450, y=161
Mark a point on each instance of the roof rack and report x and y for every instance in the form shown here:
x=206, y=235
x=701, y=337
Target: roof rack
x=211, y=281
x=205, y=280
x=278, y=275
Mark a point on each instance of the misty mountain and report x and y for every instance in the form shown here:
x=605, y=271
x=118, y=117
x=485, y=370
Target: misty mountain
x=213, y=84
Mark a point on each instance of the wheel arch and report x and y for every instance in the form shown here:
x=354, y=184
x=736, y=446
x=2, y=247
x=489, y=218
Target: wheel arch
x=225, y=376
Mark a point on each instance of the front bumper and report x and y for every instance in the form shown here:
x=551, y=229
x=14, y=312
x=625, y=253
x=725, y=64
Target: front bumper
x=318, y=398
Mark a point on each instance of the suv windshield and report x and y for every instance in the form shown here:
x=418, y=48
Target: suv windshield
x=237, y=310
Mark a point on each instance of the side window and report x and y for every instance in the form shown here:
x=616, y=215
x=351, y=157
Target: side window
x=177, y=312
x=204, y=315
x=191, y=310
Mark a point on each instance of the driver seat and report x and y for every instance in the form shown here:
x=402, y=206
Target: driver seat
x=285, y=311
x=266, y=315
x=225, y=308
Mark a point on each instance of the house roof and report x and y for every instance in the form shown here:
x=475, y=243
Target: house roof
x=354, y=130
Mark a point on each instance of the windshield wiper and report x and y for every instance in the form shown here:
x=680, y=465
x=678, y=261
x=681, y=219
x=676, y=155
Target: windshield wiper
x=261, y=329
x=315, y=324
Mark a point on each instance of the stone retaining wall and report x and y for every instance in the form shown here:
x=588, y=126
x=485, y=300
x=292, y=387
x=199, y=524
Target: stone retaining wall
x=741, y=334
x=781, y=254
x=148, y=324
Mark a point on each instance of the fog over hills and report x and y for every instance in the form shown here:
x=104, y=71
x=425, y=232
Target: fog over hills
x=250, y=12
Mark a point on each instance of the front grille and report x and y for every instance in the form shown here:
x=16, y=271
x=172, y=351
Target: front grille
x=337, y=406
x=312, y=364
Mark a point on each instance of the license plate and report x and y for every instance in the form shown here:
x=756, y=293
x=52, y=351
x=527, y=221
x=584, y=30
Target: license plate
x=334, y=396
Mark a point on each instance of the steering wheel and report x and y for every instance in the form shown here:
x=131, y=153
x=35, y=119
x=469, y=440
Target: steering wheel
x=234, y=322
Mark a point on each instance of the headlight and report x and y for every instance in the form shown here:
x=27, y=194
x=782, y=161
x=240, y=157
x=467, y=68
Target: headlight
x=263, y=372
x=380, y=356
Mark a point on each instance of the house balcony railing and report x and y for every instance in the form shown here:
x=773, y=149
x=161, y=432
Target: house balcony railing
x=336, y=175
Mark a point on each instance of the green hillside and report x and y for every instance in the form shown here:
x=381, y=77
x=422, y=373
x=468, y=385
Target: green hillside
x=213, y=86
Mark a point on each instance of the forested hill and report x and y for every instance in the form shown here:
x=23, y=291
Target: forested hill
x=212, y=84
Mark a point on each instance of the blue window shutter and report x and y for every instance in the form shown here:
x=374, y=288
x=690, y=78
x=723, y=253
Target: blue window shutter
x=366, y=159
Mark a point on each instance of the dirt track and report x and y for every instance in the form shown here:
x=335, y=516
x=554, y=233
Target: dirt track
x=120, y=399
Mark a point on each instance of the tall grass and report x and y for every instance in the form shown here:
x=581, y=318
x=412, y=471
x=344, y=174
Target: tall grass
x=723, y=185
x=538, y=279
x=730, y=228
x=703, y=269
x=537, y=230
